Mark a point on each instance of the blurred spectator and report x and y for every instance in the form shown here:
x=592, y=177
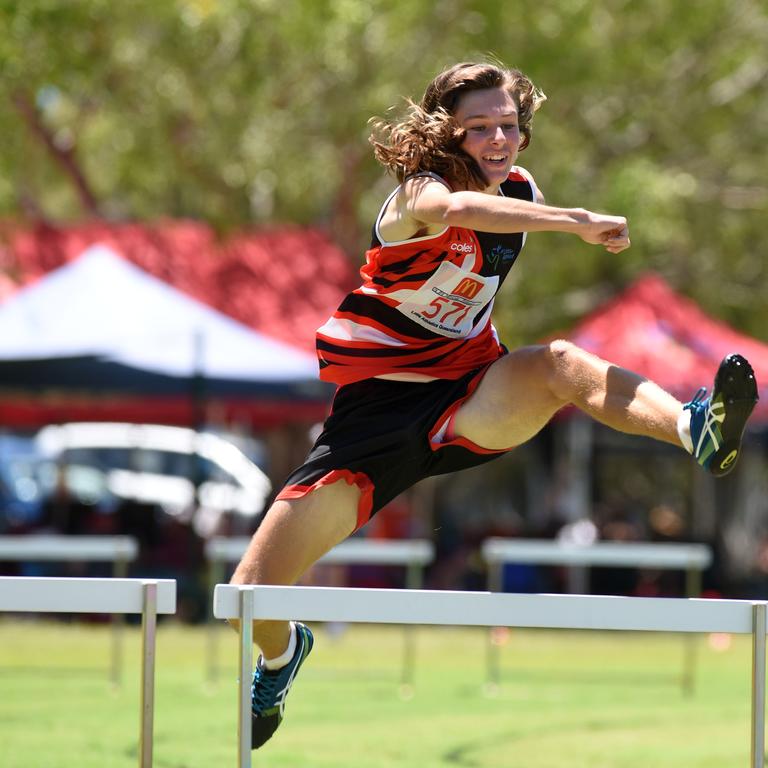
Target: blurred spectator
x=617, y=524
x=666, y=524
x=140, y=520
x=64, y=513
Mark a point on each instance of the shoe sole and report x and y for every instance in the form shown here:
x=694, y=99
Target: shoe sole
x=735, y=382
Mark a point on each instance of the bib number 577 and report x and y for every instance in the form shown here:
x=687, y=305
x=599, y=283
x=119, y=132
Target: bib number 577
x=456, y=311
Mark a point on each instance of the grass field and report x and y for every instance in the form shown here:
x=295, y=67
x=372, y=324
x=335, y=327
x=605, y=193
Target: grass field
x=567, y=699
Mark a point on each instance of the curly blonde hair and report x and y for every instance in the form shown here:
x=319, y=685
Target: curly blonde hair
x=428, y=138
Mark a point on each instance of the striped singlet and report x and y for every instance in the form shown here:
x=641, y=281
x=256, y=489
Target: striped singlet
x=424, y=308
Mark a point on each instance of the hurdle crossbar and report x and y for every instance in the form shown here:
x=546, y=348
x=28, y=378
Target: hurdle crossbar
x=146, y=597
x=405, y=552
x=600, y=553
x=391, y=606
x=118, y=550
x=59, y=548
x=412, y=554
x=691, y=558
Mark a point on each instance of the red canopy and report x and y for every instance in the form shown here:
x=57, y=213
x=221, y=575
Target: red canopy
x=666, y=337
x=283, y=282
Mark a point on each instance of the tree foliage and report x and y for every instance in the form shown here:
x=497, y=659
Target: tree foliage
x=245, y=112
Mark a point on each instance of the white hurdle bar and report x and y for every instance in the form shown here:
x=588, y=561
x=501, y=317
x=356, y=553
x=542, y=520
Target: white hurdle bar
x=691, y=558
x=118, y=550
x=147, y=597
x=412, y=554
x=488, y=609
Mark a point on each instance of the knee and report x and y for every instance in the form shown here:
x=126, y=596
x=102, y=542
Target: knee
x=560, y=362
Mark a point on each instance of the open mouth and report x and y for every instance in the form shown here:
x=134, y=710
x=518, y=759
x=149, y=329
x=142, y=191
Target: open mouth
x=495, y=159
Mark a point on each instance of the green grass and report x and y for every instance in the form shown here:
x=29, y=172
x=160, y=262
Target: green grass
x=575, y=699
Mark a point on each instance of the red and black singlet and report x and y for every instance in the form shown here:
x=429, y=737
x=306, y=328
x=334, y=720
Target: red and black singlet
x=424, y=308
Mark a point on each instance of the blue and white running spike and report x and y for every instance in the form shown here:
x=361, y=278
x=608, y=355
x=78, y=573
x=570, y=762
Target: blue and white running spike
x=718, y=422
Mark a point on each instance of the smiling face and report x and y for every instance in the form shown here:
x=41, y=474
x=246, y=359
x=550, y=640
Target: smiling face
x=489, y=117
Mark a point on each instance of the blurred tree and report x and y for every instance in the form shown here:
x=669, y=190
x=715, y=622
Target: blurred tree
x=245, y=112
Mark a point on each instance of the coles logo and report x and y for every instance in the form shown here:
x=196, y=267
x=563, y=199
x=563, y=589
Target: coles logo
x=463, y=247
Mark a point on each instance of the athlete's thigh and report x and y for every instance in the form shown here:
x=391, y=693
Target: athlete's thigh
x=512, y=402
x=295, y=533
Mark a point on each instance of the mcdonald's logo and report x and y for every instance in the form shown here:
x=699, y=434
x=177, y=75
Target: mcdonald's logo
x=468, y=288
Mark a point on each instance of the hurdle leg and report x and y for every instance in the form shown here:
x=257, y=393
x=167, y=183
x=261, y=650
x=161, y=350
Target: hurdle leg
x=409, y=652
x=148, y=645
x=413, y=580
x=244, y=679
x=215, y=575
x=119, y=571
x=493, y=679
x=692, y=589
x=759, y=629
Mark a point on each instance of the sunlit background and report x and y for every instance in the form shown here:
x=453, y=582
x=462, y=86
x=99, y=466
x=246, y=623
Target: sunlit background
x=214, y=153
x=186, y=193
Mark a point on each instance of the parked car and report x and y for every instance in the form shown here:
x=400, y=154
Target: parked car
x=199, y=475
x=21, y=493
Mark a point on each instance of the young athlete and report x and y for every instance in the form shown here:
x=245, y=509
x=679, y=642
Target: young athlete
x=425, y=386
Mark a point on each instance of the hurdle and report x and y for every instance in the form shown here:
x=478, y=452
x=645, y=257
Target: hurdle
x=118, y=550
x=62, y=595
x=692, y=558
x=412, y=554
x=491, y=609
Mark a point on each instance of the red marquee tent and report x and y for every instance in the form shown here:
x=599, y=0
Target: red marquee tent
x=281, y=283
x=656, y=332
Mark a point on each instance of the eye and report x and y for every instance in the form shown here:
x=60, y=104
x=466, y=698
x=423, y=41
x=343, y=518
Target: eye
x=476, y=128
x=509, y=126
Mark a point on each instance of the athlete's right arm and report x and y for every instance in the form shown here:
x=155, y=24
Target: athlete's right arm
x=428, y=202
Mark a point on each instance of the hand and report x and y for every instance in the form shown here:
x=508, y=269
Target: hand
x=610, y=231
x=617, y=240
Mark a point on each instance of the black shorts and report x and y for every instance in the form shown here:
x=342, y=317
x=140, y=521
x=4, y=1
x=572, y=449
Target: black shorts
x=384, y=436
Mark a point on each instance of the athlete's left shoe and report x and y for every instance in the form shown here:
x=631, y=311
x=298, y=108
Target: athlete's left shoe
x=270, y=689
x=718, y=421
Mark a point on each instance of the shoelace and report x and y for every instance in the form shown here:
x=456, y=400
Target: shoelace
x=263, y=689
x=696, y=402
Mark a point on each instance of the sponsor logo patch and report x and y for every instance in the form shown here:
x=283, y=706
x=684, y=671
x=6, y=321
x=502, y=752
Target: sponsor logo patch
x=500, y=255
x=468, y=288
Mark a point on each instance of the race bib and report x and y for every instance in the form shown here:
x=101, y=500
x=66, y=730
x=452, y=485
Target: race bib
x=449, y=301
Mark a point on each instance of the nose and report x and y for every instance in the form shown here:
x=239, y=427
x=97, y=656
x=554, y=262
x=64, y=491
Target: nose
x=498, y=136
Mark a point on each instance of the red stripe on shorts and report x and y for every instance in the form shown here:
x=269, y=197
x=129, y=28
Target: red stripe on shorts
x=360, y=479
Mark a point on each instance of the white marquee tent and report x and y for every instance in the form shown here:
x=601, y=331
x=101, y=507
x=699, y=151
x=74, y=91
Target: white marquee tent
x=102, y=325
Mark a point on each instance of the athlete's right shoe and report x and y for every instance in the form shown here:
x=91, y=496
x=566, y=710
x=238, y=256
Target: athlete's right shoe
x=717, y=422
x=270, y=688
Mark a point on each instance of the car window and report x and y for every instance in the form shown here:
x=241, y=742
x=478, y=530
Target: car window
x=100, y=458
x=214, y=473
x=179, y=464
x=151, y=461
